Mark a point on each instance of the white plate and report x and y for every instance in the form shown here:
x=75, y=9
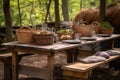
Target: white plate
x=103, y=35
x=87, y=38
x=71, y=41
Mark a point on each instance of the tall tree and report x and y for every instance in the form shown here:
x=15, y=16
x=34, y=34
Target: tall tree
x=48, y=10
x=65, y=10
x=19, y=12
x=8, y=21
x=92, y=3
x=102, y=10
x=80, y=4
x=57, y=15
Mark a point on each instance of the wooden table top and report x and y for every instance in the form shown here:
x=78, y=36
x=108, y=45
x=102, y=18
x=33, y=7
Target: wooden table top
x=59, y=45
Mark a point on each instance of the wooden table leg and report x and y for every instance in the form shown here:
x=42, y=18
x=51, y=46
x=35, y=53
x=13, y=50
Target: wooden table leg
x=14, y=66
x=75, y=54
x=7, y=69
x=51, y=61
x=72, y=55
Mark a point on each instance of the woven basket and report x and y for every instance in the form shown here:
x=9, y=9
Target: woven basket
x=96, y=26
x=107, y=31
x=84, y=30
x=43, y=39
x=24, y=35
x=65, y=36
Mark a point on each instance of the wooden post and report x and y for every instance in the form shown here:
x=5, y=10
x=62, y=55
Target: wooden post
x=57, y=16
x=51, y=61
x=7, y=69
x=14, y=66
x=72, y=55
x=102, y=10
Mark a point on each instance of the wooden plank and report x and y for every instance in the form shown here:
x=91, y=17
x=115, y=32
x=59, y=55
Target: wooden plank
x=118, y=49
x=83, y=67
x=7, y=55
x=10, y=54
x=31, y=50
x=83, y=75
x=2, y=48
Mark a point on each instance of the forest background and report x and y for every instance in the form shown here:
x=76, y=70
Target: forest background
x=16, y=13
x=32, y=12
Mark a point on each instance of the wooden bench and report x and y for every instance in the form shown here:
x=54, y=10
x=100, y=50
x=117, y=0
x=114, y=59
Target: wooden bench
x=83, y=70
x=6, y=59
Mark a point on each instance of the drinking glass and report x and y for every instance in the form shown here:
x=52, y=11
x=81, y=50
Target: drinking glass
x=44, y=27
x=77, y=36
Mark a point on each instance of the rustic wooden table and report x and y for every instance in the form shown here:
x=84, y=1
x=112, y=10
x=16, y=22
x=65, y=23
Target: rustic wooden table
x=49, y=50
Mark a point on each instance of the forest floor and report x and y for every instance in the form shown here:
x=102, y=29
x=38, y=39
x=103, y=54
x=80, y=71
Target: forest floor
x=36, y=61
x=41, y=61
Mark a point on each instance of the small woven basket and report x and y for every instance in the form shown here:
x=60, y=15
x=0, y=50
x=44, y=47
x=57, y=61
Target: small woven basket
x=44, y=39
x=24, y=35
x=107, y=31
x=65, y=36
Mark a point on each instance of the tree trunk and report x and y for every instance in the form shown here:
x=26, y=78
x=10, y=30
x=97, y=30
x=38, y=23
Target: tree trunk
x=102, y=10
x=19, y=10
x=80, y=4
x=48, y=10
x=57, y=16
x=92, y=3
x=65, y=10
x=8, y=21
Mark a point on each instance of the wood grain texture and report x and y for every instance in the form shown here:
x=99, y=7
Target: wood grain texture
x=83, y=67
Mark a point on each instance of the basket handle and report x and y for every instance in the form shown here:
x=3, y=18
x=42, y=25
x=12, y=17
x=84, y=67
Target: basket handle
x=25, y=28
x=85, y=22
x=96, y=23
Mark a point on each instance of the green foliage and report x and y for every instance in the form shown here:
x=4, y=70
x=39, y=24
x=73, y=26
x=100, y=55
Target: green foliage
x=1, y=14
x=33, y=11
x=66, y=31
x=105, y=25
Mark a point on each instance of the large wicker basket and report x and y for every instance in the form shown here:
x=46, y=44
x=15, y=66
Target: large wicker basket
x=43, y=39
x=24, y=35
x=84, y=30
x=96, y=26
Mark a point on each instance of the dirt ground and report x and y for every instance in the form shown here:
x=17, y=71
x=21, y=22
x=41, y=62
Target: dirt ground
x=37, y=61
x=41, y=61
